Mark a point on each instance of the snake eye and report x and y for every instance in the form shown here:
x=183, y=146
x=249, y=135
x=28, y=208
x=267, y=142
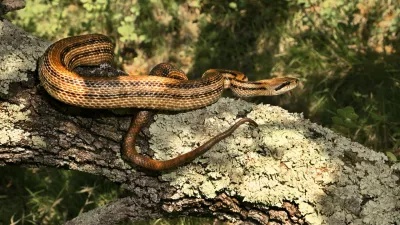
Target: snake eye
x=284, y=84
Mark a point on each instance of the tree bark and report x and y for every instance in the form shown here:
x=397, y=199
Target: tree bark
x=287, y=170
x=10, y=5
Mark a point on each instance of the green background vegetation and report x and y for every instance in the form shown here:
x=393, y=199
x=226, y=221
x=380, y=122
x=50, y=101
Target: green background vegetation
x=346, y=54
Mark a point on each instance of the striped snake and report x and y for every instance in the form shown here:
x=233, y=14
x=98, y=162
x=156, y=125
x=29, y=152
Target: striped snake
x=165, y=88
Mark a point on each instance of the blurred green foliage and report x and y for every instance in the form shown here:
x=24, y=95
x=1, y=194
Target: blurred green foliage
x=346, y=54
x=50, y=196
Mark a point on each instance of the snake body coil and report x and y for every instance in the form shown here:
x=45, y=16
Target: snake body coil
x=146, y=92
x=167, y=88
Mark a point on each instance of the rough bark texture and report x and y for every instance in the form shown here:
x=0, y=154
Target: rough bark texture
x=288, y=170
x=10, y=5
x=114, y=212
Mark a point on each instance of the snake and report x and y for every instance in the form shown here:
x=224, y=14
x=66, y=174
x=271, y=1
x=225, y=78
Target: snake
x=164, y=88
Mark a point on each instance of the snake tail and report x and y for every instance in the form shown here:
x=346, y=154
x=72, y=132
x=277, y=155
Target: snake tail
x=148, y=163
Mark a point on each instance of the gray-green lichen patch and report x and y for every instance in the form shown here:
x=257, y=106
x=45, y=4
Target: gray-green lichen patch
x=19, y=54
x=286, y=158
x=9, y=115
x=10, y=133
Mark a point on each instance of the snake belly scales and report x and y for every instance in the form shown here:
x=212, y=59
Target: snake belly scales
x=165, y=88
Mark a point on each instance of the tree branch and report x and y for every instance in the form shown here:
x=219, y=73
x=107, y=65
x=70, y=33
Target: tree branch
x=11, y=5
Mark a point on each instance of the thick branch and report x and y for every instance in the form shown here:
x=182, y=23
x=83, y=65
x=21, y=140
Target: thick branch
x=11, y=5
x=287, y=170
x=114, y=213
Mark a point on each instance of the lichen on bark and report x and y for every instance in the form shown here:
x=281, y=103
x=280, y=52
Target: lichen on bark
x=286, y=158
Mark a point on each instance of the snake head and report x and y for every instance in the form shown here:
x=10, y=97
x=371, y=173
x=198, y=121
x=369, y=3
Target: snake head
x=274, y=86
x=277, y=86
x=287, y=84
